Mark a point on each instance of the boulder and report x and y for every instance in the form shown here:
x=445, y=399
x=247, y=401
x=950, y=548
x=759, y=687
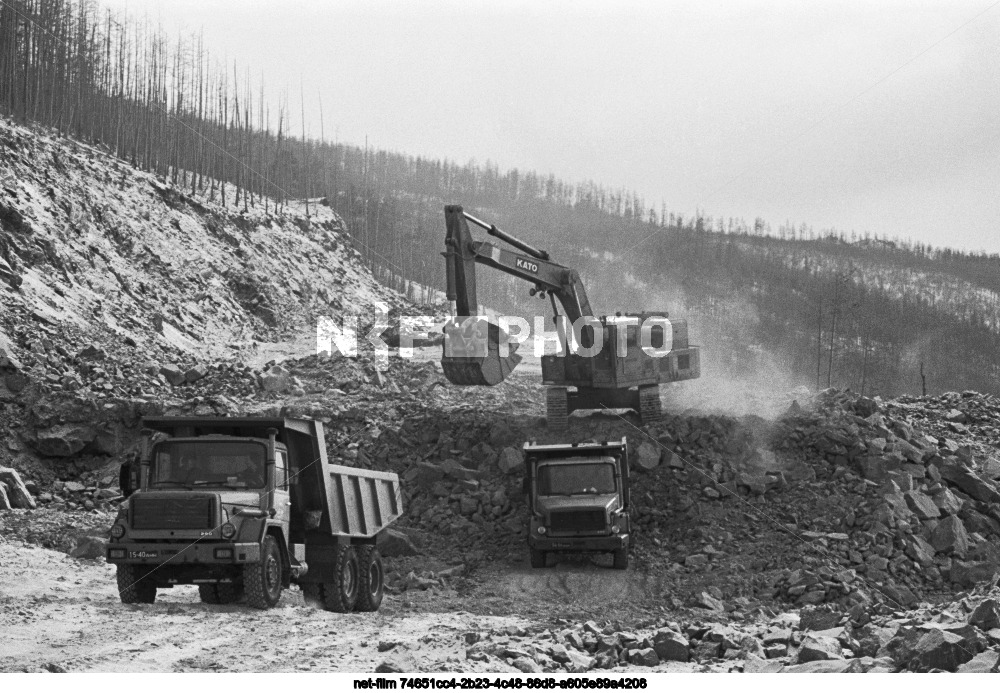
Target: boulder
x=195, y=374
x=173, y=373
x=578, y=662
x=671, y=646
x=399, y=664
x=64, y=440
x=937, y=649
x=646, y=657
x=947, y=502
x=707, y=649
x=779, y=636
x=871, y=639
x=92, y=352
x=922, y=506
x=987, y=615
x=920, y=550
x=707, y=601
x=968, y=573
x=87, y=547
x=758, y=665
x=17, y=493
x=276, y=379
x=647, y=456
x=950, y=537
x=696, y=560
x=393, y=543
x=527, y=665
x=828, y=666
x=968, y=481
x=816, y=647
x=510, y=460
x=987, y=662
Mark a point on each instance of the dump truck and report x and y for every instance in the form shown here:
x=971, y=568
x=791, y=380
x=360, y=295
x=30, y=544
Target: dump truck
x=246, y=507
x=624, y=374
x=578, y=497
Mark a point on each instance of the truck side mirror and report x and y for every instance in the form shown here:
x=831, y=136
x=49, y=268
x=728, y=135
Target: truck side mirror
x=293, y=476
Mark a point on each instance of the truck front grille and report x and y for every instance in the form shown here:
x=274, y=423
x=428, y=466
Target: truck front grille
x=577, y=521
x=171, y=513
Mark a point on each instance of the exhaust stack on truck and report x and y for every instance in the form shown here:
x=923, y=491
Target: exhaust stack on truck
x=248, y=506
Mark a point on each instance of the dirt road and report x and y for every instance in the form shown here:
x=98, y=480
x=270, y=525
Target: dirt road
x=62, y=614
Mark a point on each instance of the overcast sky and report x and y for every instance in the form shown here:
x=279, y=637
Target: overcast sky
x=746, y=109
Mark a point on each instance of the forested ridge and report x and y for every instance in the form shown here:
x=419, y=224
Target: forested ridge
x=830, y=307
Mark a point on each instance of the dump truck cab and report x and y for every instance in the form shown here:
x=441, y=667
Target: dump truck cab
x=247, y=507
x=578, y=497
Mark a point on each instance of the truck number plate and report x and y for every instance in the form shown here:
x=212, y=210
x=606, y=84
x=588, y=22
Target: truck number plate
x=143, y=554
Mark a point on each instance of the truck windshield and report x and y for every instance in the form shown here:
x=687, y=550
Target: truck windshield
x=217, y=463
x=568, y=479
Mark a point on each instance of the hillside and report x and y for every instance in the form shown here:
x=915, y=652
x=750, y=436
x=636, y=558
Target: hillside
x=94, y=252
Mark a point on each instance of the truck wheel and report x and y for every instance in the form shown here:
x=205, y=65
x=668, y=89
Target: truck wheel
x=371, y=578
x=221, y=593
x=538, y=558
x=134, y=586
x=621, y=559
x=556, y=408
x=342, y=594
x=262, y=581
x=650, y=409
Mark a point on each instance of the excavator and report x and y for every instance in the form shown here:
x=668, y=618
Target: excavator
x=614, y=378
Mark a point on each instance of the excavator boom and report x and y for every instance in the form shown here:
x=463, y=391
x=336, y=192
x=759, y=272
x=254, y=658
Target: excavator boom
x=462, y=253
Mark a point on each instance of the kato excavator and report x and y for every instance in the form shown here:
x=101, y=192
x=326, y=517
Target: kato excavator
x=614, y=377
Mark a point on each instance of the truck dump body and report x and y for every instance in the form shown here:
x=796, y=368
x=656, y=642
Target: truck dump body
x=361, y=503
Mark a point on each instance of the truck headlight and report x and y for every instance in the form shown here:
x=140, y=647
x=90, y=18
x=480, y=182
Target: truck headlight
x=117, y=530
x=541, y=529
x=615, y=528
x=228, y=530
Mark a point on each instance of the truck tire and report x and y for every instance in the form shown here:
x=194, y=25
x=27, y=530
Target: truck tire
x=650, y=409
x=538, y=558
x=342, y=594
x=371, y=578
x=262, y=581
x=556, y=408
x=221, y=593
x=621, y=559
x=134, y=585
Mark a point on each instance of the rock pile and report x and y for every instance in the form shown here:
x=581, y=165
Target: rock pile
x=928, y=511
x=962, y=636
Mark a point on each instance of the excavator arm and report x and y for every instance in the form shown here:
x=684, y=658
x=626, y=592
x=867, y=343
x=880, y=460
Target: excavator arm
x=462, y=253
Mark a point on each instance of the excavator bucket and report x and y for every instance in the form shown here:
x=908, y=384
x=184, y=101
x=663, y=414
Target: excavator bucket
x=472, y=352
